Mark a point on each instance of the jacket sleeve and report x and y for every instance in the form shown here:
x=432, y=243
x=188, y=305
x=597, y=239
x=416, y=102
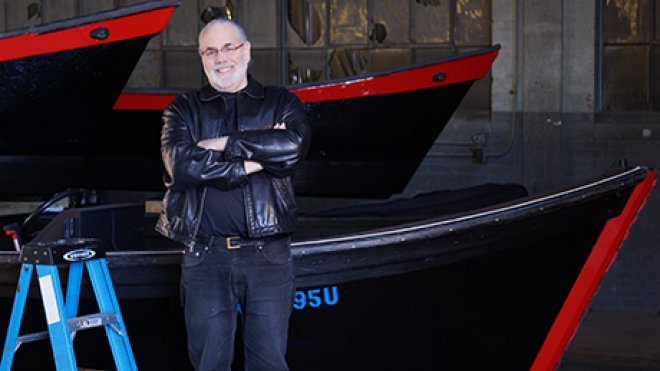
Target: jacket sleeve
x=186, y=164
x=277, y=150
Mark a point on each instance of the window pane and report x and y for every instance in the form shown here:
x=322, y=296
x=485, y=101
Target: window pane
x=425, y=54
x=132, y=2
x=382, y=59
x=3, y=25
x=183, y=70
x=264, y=66
x=55, y=10
x=92, y=6
x=259, y=18
x=306, y=24
x=348, y=21
x=394, y=16
x=431, y=23
x=626, y=78
x=348, y=62
x=627, y=21
x=22, y=13
x=181, y=30
x=472, y=22
x=307, y=66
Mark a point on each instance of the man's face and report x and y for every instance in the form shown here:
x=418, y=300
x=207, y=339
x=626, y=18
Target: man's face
x=225, y=57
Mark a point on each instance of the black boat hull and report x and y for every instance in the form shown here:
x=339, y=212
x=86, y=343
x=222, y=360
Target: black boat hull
x=58, y=85
x=59, y=123
x=373, y=141
x=464, y=291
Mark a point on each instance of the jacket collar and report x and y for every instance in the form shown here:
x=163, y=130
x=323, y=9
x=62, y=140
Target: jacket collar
x=254, y=89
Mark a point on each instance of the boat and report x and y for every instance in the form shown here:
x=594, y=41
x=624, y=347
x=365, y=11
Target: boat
x=58, y=82
x=374, y=129
x=362, y=126
x=504, y=282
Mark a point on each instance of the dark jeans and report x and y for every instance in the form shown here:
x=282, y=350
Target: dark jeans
x=215, y=282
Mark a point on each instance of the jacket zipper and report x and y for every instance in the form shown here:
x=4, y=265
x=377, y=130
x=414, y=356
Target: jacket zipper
x=201, y=206
x=191, y=245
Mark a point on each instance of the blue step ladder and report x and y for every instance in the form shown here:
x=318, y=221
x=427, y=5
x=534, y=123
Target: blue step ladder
x=61, y=315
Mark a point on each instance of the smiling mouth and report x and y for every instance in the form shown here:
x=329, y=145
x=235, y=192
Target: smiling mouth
x=224, y=69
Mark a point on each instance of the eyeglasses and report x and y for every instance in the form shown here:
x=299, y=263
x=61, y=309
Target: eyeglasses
x=227, y=49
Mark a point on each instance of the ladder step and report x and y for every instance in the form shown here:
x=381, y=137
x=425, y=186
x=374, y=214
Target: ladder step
x=62, y=325
x=75, y=324
x=92, y=320
x=28, y=338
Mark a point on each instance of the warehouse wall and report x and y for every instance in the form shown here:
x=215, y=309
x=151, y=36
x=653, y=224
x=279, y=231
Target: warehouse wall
x=545, y=132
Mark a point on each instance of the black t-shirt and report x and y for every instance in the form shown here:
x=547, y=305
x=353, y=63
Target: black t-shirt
x=224, y=210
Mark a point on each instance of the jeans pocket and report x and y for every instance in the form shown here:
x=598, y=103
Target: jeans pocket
x=192, y=259
x=277, y=252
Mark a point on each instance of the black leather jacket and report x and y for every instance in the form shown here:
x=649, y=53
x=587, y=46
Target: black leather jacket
x=270, y=205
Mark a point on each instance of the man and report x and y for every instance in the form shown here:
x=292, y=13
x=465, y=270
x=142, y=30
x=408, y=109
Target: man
x=229, y=151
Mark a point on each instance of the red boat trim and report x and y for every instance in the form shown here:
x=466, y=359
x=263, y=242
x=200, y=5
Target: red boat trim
x=455, y=71
x=402, y=80
x=143, y=102
x=123, y=28
x=600, y=259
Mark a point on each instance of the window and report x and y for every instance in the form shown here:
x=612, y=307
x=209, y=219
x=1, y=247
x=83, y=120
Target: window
x=631, y=55
x=328, y=39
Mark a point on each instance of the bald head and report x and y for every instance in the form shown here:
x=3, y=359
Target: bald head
x=222, y=21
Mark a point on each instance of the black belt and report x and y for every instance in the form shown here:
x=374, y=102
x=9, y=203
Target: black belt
x=235, y=242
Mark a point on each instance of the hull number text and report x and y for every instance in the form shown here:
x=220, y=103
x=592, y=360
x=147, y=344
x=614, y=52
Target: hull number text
x=315, y=298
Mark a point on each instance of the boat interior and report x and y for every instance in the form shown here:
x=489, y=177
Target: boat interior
x=125, y=226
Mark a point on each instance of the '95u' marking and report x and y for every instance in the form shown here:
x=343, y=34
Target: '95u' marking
x=314, y=298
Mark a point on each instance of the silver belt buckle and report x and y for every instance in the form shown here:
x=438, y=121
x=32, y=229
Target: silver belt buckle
x=229, y=245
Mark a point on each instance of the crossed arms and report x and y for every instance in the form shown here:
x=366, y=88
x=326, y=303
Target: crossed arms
x=219, y=144
x=225, y=162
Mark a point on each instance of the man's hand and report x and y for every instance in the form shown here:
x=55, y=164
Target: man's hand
x=214, y=144
x=219, y=144
x=252, y=167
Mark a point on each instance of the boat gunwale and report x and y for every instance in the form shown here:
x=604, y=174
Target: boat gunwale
x=101, y=16
x=406, y=233
x=500, y=213
x=390, y=71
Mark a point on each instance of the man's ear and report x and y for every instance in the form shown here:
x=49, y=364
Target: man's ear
x=248, y=49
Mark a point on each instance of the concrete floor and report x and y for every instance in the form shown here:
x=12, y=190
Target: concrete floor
x=615, y=342
x=608, y=341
